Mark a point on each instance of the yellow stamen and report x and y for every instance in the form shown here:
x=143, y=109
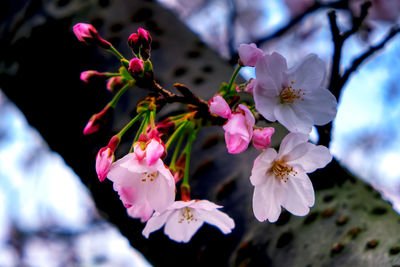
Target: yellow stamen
x=289, y=94
x=282, y=170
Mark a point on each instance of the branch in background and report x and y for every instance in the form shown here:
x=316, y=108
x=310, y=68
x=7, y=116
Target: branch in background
x=372, y=49
x=341, y=4
x=231, y=27
x=337, y=79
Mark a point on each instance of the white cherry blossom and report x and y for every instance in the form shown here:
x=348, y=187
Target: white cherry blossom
x=280, y=178
x=295, y=97
x=183, y=218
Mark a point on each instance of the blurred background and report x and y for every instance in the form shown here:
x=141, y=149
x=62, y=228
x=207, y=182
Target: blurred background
x=47, y=217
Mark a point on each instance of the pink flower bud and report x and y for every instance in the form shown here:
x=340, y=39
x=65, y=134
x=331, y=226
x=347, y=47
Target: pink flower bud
x=154, y=150
x=97, y=120
x=239, y=130
x=91, y=75
x=218, y=105
x=144, y=35
x=136, y=66
x=262, y=137
x=249, y=54
x=115, y=84
x=88, y=34
x=133, y=42
x=105, y=158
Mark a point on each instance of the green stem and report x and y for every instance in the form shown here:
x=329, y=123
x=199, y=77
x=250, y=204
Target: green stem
x=129, y=125
x=176, y=134
x=152, y=119
x=176, y=152
x=116, y=53
x=233, y=78
x=142, y=127
x=188, y=152
x=114, y=101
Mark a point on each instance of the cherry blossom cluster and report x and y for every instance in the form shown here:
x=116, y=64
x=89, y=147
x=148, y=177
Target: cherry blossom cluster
x=152, y=179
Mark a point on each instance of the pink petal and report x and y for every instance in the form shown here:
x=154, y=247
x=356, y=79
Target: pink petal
x=141, y=210
x=249, y=54
x=314, y=158
x=154, y=150
x=262, y=137
x=160, y=193
x=104, y=159
x=219, y=106
x=122, y=175
x=267, y=199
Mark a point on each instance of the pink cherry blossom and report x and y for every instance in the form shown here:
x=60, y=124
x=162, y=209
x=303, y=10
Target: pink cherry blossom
x=249, y=54
x=280, y=179
x=219, y=106
x=262, y=137
x=183, y=218
x=105, y=157
x=151, y=184
x=239, y=130
x=295, y=97
x=144, y=35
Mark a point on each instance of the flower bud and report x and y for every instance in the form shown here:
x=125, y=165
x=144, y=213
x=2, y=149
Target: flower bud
x=92, y=75
x=136, y=66
x=88, y=34
x=249, y=54
x=105, y=158
x=262, y=137
x=140, y=43
x=250, y=86
x=97, y=120
x=115, y=84
x=133, y=42
x=218, y=105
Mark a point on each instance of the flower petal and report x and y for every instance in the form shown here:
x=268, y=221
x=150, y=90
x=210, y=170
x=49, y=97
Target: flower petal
x=294, y=121
x=261, y=165
x=217, y=218
x=179, y=229
x=156, y=222
x=249, y=54
x=309, y=74
x=320, y=104
x=267, y=200
x=122, y=175
x=299, y=195
x=314, y=158
x=160, y=193
x=290, y=142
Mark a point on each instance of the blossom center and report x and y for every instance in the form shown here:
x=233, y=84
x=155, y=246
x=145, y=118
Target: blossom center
x=282, y=170
x=149, y=176
x=289, y=94
x=186, y=215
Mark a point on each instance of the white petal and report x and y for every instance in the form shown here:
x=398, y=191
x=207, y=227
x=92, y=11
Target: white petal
x=261, y=165
x=308, y=74
x=156, y=222
x=218, y=219
x=294, y=121
x=321, y=105
x=299, y=195
x=181, y=230
x=267, y=200
x=290, y=142
x=204, y=204
x=160, y=193
x=121, y=175
x=315, y=158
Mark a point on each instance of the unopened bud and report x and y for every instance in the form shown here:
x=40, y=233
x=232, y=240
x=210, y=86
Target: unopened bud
x=92, y=75
x=97, y=120
x=115, y=84
x=88, y=34
x=133, y=42
x=136, y=66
